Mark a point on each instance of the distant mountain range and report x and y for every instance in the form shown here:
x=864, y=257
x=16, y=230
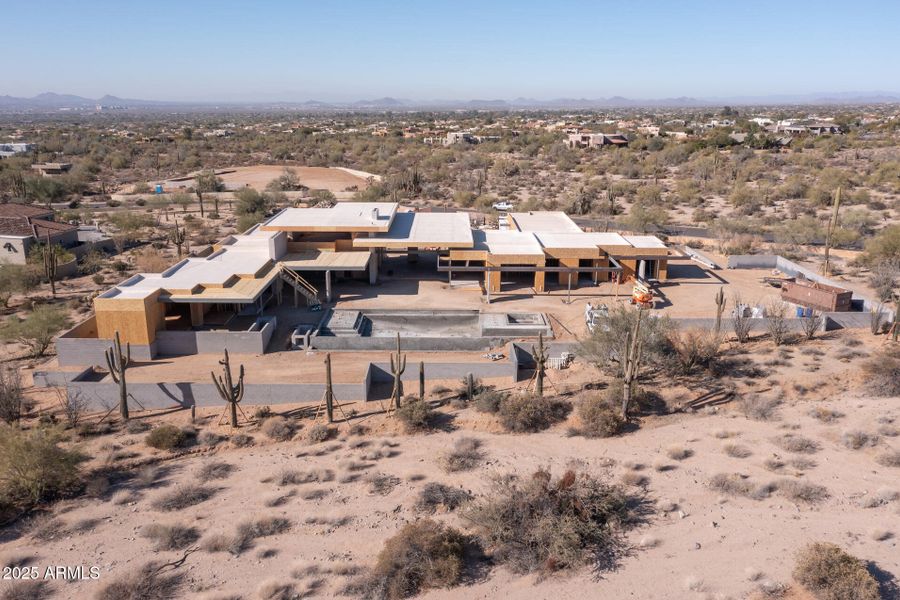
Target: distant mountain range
x=50, y=101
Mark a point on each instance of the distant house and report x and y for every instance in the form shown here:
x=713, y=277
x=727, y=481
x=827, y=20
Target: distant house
x=460, y=137
x=23, y=225
x=594, y=140
x=7, y=150
x=823, y=128
x=49, y=169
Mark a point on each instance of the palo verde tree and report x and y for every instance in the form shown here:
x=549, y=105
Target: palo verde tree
x=398, y=366
x=232, y=393
x=118, y=362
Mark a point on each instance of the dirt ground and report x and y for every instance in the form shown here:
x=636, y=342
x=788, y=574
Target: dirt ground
x=322, y=178
x=696, y=543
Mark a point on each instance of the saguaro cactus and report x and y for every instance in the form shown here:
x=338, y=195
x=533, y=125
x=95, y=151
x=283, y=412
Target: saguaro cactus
x=329, y=390
x=51, y=260
x=720, y=308
x=178, y=237
x=398, y=366
x=632, y=363
x=230, y=392
x=118, y=362
x=540, y=365
x=422, y=381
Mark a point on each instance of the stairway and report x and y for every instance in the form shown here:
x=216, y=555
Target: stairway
x=301, y=286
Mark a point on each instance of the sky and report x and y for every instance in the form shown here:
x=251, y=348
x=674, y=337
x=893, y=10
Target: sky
x=343, y=50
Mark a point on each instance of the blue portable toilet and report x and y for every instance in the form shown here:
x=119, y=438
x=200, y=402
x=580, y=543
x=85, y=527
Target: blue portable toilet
x=799, y=312
x=159, y=188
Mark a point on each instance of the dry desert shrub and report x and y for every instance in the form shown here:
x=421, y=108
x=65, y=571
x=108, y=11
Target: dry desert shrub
x=830, y=573
x=294, y=477
x=382, y=484
x=276, y=590
x=735, y=484
x=148, y=583
x=416, y=415
x=277, y=428
x=598, y=418
x=880, y=535
x=801, y=491
x=677, y=452
x=633, y=479
x=489, y=401
x=825, y=415
x=34, y=468
x=258, y=528
x=882, y=374
x=214, y=470
x=167, y=437
x=759, y=408
x=796, y=443
x=241, y=440
x=531, y=413
x=26, y=590
x=421, y=556
x=436, y=496
x=465, y=455
x=170, y=537
x=319, y=433
x=856, y=439
x=891, y=458
x=183, y=496
x=737, y=451
x=544, y=524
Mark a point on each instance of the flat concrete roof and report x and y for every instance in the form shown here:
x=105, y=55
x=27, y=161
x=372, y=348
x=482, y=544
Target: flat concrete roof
x=507, y=242
x=644, y=241
x=562, y=241
x=342, y=217
x=423, y=230
x=327, y=261
x=545, y=222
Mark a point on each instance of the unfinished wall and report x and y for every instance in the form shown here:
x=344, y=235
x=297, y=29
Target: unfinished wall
x=136, y=319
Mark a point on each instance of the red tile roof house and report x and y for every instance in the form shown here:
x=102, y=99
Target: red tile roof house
x=22, y=226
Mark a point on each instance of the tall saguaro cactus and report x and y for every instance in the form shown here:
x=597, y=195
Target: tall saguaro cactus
x=631, y=364
x=51, y=260
x=720, y=308
x=422, y=380
x=540, y=365
x=178, y=238
x=398, y=366
x=118, y=362
x=230, y=392
x=329, y=390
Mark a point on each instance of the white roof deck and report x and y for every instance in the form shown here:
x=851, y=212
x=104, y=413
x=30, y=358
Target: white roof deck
x=545, y=222
x=240, y=255
x=508, y=242
x=423, y=230
x=342, y=217
x=644, y=241
x=560, y=241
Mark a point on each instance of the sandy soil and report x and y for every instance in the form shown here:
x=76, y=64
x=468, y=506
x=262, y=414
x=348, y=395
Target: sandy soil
x=325, y=178
x=694, y=536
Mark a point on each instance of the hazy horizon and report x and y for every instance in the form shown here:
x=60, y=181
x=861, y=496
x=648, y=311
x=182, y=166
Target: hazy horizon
x=299, y=51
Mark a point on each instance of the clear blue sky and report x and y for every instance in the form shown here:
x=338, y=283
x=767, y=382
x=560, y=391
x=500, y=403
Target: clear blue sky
x=447, y=49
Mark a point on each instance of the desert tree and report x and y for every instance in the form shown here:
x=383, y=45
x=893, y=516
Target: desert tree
x=776, y=321
x=811, y=324
x=12, y=399
x=232, y=393
x=118, y=362
x=16, y=279
x=36, y=330
x=740, y=321
x=606, y=347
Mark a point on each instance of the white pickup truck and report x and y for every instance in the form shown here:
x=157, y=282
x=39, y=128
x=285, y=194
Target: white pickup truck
x=502, y=206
